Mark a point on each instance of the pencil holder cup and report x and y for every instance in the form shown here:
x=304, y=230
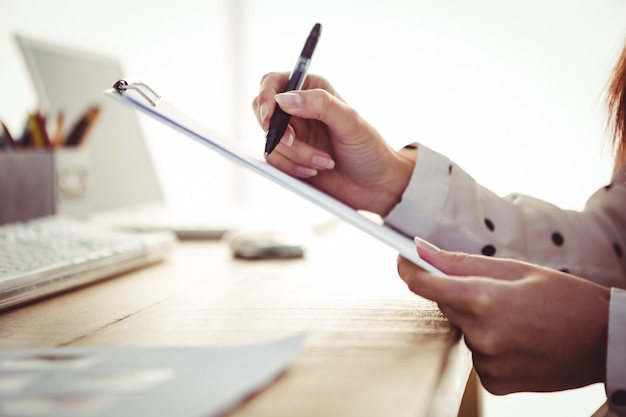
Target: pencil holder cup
x=73, y=182
x=27, y=185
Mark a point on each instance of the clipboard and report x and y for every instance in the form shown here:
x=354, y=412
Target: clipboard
x=140, y=96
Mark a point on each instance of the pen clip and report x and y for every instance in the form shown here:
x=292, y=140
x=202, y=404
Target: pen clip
x=148, y=93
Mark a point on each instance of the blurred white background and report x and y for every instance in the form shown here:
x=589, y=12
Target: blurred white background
x=512, y=90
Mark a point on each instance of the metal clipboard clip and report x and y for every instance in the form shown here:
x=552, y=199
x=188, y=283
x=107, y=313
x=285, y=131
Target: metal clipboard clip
x=148, y=93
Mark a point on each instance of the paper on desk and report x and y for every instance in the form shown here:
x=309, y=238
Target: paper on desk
x=130, y=382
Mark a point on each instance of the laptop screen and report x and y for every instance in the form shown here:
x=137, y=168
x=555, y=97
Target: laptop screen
x=70, y=81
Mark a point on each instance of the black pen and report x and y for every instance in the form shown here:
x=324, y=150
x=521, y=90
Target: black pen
x=280, y=119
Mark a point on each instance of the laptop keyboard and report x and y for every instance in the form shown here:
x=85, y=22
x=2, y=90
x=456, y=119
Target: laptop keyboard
x=54, y=253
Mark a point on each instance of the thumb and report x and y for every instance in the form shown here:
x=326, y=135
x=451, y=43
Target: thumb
x=463, y=264
x=319, y=104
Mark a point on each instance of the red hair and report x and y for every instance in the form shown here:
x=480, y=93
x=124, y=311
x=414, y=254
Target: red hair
x=616, y=101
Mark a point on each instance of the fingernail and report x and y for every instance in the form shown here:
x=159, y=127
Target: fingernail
x=263, y=112
x=306, y=171
x=289, y=99
x=287, y=139
x=425, y=246
x=322, y=162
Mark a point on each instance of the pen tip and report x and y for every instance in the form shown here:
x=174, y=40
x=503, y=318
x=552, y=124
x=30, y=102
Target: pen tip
x=265, y=154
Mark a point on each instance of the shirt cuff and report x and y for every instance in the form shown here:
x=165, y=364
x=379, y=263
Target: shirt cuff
x=427, y=190
x=616, y=353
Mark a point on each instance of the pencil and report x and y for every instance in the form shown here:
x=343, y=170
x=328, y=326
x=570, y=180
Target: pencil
x=57, y=138
x=81, y=128
x=7, y=139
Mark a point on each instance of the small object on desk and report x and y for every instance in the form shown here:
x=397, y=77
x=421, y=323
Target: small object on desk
x=199, y=232
x=280, y=119
x=271, y=244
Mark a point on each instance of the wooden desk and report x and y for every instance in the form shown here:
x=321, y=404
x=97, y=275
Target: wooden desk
x=373, y=348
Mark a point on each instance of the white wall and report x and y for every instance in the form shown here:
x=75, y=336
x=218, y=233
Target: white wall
x=510, y=89
x=500, y=86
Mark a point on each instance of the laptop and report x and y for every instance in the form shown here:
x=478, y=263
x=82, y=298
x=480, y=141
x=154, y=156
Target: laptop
x=124, y=188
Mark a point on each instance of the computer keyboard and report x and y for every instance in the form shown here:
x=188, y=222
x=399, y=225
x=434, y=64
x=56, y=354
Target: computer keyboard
x=55, y=253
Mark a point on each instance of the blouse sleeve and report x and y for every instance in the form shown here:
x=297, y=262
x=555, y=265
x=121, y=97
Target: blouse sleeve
x=444, y=205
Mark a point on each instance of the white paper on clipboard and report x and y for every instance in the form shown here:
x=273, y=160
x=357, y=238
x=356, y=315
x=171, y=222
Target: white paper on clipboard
x=143, y=98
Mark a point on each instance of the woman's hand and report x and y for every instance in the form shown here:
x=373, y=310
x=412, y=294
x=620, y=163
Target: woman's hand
x=329, y=145
x=529, y=328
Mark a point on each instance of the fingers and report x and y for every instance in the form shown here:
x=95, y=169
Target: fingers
x=471, y=282
x=463, y=294
x=319, y=104
x=264, y=104
x=299, y=158
x=306, y=167
x=463, y=264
